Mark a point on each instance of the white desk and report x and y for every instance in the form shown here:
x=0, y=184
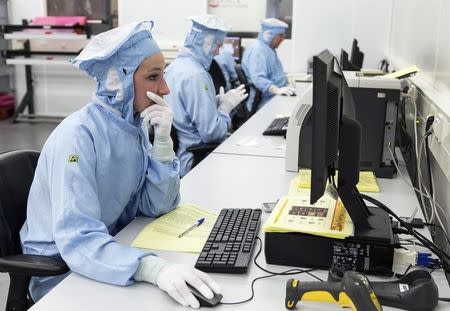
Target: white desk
x=248, y=139
x=212, y=184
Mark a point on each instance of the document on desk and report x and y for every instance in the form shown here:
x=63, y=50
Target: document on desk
x=367, y=182
x=327, y=217
x=162, y=233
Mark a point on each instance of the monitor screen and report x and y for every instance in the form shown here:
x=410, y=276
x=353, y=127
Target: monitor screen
x=356, y=56
x=325, y=126
x=346, y=64
x=233, y=45
x=336, y=140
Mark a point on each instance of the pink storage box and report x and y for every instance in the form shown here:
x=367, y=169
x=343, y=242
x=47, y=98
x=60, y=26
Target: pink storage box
x=59, y=20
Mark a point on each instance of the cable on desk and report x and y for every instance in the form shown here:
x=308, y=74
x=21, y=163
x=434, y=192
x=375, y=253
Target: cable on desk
x=294, y=271
x=445, y=258
x=383, y=271
x=440, y=227
x=444, y=299
x=271, y=274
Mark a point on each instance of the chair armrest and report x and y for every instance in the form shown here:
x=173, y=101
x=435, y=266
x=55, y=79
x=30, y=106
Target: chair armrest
x=33, y=265
x=202, y=147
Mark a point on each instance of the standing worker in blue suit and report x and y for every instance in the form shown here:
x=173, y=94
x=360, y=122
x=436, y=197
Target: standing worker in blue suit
x=98, y=171
x=198, y=114
x=261, y=64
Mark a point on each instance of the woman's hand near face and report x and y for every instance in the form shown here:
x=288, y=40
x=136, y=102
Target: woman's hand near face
x=159, y=115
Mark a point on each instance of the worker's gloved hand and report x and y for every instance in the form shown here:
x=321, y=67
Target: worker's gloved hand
x=160, y=116
x=173, y=279
x=285, y=90
x=232, y=98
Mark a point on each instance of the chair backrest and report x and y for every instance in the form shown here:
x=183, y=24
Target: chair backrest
x=248, y=85
x=16, y=175
x=217, y=76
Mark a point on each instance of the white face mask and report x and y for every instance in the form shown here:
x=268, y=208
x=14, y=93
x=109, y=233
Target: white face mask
x=207, y=44
x=113, y=83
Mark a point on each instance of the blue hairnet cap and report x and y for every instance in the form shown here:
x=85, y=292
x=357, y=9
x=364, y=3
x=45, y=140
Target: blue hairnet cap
x=270, y=27
x=206, y=34
x=104, y=46
x=112, y=57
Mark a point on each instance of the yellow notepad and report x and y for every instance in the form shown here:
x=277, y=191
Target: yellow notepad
x=327, y=217
x=162, y=233
x=367, y=182
x=402, y=73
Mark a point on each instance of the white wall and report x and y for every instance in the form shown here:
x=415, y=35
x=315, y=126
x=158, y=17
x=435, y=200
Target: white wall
x=420, y=36
x=331, y=24
x=169, y=16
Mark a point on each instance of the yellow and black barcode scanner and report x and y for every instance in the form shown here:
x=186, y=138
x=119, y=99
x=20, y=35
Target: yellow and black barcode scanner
x=354, y=291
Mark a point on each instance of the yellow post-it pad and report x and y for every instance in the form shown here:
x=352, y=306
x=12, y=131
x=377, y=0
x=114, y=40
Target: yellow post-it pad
x=367, y=181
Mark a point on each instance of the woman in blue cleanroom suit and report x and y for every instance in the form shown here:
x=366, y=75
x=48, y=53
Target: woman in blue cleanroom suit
x=261, y=64
x=98, y=171
x=199, y=115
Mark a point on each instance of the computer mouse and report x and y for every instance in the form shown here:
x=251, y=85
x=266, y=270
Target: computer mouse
x=205, y=302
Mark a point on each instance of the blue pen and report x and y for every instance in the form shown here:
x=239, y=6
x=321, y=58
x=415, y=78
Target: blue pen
x=198, y=223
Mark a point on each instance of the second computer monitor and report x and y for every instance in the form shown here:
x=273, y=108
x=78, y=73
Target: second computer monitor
x=233, y=45
x=356, y=56
x=325, y=127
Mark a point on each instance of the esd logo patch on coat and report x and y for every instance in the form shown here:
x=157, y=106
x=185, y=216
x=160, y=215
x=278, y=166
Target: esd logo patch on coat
x=73, y=158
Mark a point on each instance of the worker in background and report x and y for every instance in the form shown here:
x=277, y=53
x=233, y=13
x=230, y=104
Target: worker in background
x=199, y=115
x=228, y=65
x=261, y=64
x=98, y=171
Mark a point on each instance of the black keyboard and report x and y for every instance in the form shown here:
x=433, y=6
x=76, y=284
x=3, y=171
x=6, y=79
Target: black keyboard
x=230, y=243
x=278, y=127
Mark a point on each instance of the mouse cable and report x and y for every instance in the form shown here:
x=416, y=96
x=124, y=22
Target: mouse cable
x=271, y=274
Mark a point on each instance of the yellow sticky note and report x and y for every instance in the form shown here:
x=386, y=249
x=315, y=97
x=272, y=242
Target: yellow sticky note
x=367, y=181
x=162, y=233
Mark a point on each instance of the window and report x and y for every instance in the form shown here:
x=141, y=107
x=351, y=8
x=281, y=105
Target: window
x=104, y=10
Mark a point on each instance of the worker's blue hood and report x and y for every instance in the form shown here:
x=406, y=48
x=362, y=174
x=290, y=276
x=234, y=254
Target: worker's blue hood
x=271, y=27
x=111, y=58
x=202, y=42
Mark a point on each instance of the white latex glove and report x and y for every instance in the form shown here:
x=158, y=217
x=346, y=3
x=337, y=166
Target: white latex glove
x=160, y=116
x=174, y=277
x=230, y=99
x=285, y=90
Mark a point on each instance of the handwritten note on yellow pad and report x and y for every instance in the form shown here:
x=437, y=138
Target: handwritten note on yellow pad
x=163, y=232
x=325, y=218
x=367, y=181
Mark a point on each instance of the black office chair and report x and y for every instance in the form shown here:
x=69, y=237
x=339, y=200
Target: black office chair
x=16, y=174
x=199, y=151
x=243, y=114
x=217, y=76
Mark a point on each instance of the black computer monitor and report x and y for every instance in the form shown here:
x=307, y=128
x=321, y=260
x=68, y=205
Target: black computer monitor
x=233, y=45
x=345, y=63
x=336, y=140
x=356, y=56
